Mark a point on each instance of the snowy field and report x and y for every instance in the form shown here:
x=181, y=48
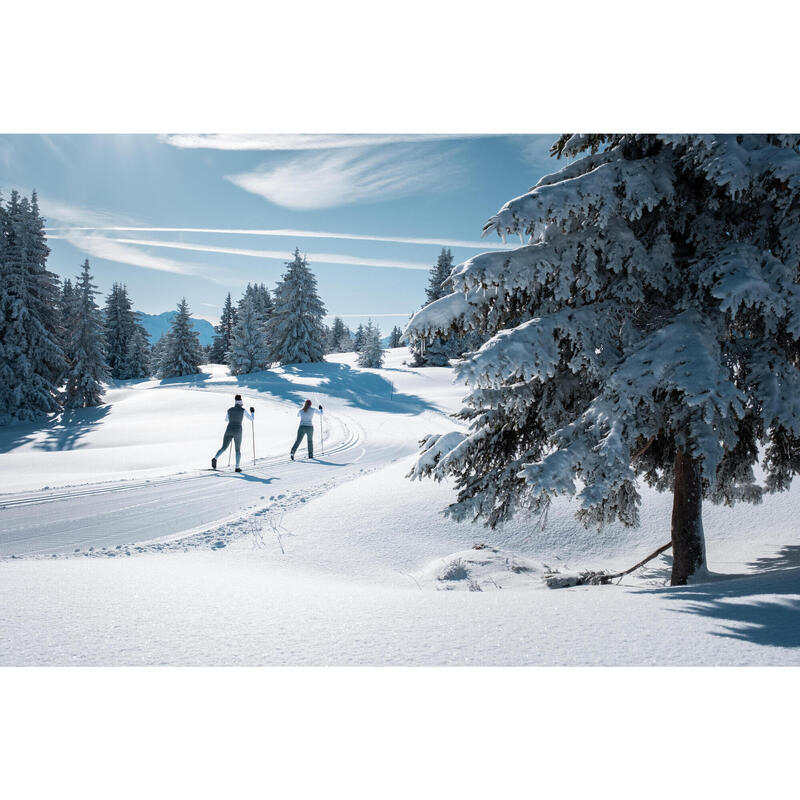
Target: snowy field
x=119, y=547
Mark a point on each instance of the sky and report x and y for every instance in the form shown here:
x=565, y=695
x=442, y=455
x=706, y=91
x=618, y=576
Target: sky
x=201, y=215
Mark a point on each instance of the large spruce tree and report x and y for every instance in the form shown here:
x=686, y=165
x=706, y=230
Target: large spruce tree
x=436, y=351
x=68, y=313
x=139, y=359
x=224, y=333
x=248, y=350
x=340, y=340
x=648, y=327
x=371, y=353
x=295, y=332
x=87, y=368
x=31, y=355
x=358, y=338
x=181, y=353
x=119, y=325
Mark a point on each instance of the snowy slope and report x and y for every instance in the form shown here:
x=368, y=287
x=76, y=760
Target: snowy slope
x=146, y=559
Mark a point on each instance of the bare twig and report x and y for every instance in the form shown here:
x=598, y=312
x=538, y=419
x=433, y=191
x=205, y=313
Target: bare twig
x=408, y=575
x=275, y=523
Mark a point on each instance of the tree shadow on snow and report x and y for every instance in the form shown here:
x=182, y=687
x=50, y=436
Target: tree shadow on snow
x=62, y=431
x=198, y=379
x=365, y=390
x=761, y=609
x=786, y=558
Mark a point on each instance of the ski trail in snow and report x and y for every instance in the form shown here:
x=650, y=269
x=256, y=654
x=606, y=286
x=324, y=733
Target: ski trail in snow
x=103, y=519
x=354, y=435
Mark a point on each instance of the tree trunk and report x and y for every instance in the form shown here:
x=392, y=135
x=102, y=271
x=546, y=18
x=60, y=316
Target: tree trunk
x=688, y=543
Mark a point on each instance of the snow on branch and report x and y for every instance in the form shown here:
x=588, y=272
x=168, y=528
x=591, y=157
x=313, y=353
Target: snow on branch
x=736, y=163
x=439, y=316
x=435, y=450
x=681, y=359
x=622, y=188
x=743, y=276
x=532, y=350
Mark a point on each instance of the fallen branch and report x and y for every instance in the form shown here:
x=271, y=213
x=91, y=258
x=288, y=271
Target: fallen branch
x=644, y=560
x=556, y=580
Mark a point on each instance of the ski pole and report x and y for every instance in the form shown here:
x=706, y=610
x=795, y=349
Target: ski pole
x=253, y=426
x=322, y=432
x=230, y=447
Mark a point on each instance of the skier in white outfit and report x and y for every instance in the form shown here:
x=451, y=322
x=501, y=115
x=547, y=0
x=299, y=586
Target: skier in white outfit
x=306, y=414
x=233, y=416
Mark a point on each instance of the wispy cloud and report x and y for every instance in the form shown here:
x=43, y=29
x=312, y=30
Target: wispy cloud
x=335, y=178
x=274, y=255
x=297, y=141
x=109, y=249
x=302, y=234
x=80, y=217
x=98, y=245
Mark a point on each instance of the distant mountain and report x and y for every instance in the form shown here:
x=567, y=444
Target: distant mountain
x=158, y=324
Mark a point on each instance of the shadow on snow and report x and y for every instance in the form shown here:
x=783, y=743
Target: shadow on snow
x=244, y=476
x=365, y=390
x=762, y=609
x=61, y=432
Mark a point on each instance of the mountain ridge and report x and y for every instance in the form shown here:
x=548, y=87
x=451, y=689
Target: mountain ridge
x=157, y=325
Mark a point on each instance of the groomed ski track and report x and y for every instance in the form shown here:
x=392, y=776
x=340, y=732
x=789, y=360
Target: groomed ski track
x=100, y=516
x=369, y=423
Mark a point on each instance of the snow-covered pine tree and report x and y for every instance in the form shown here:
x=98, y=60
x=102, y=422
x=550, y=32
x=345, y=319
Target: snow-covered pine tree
x=139, y=361
x=649, y=328
x=248, y=351
x=294, y=331
x=339, y=338
x=437, y=351
x=182, y=354
x=259, y=296
x=371, y=353
x=157, y=353
x=344, y=342
x=437, y=279
x=67, y=310
x=224, y=332
x=396, y=337
x=263, y=302
x=120, y=322
x=358, y=338
x=327, y=338
x=31, y=357
x=87, y=368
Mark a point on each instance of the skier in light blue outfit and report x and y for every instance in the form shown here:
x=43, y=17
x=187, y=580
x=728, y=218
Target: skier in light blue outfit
x=233, y=416
x=306, y=414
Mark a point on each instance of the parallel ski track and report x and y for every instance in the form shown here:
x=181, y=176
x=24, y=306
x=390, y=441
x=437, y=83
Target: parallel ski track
x=354, y=436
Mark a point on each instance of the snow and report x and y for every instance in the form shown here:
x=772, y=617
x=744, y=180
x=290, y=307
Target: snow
x=345, y=562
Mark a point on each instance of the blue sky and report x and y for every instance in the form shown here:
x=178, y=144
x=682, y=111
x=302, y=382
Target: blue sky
x=412, y=187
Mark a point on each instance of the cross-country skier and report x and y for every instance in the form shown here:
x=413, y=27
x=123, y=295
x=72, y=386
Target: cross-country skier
x=306, y=414
x=233, y=416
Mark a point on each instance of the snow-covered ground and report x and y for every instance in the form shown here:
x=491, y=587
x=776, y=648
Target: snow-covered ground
x=119, y=547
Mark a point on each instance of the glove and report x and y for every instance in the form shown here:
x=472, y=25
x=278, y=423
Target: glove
x=320, y=408
x=252, y=410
